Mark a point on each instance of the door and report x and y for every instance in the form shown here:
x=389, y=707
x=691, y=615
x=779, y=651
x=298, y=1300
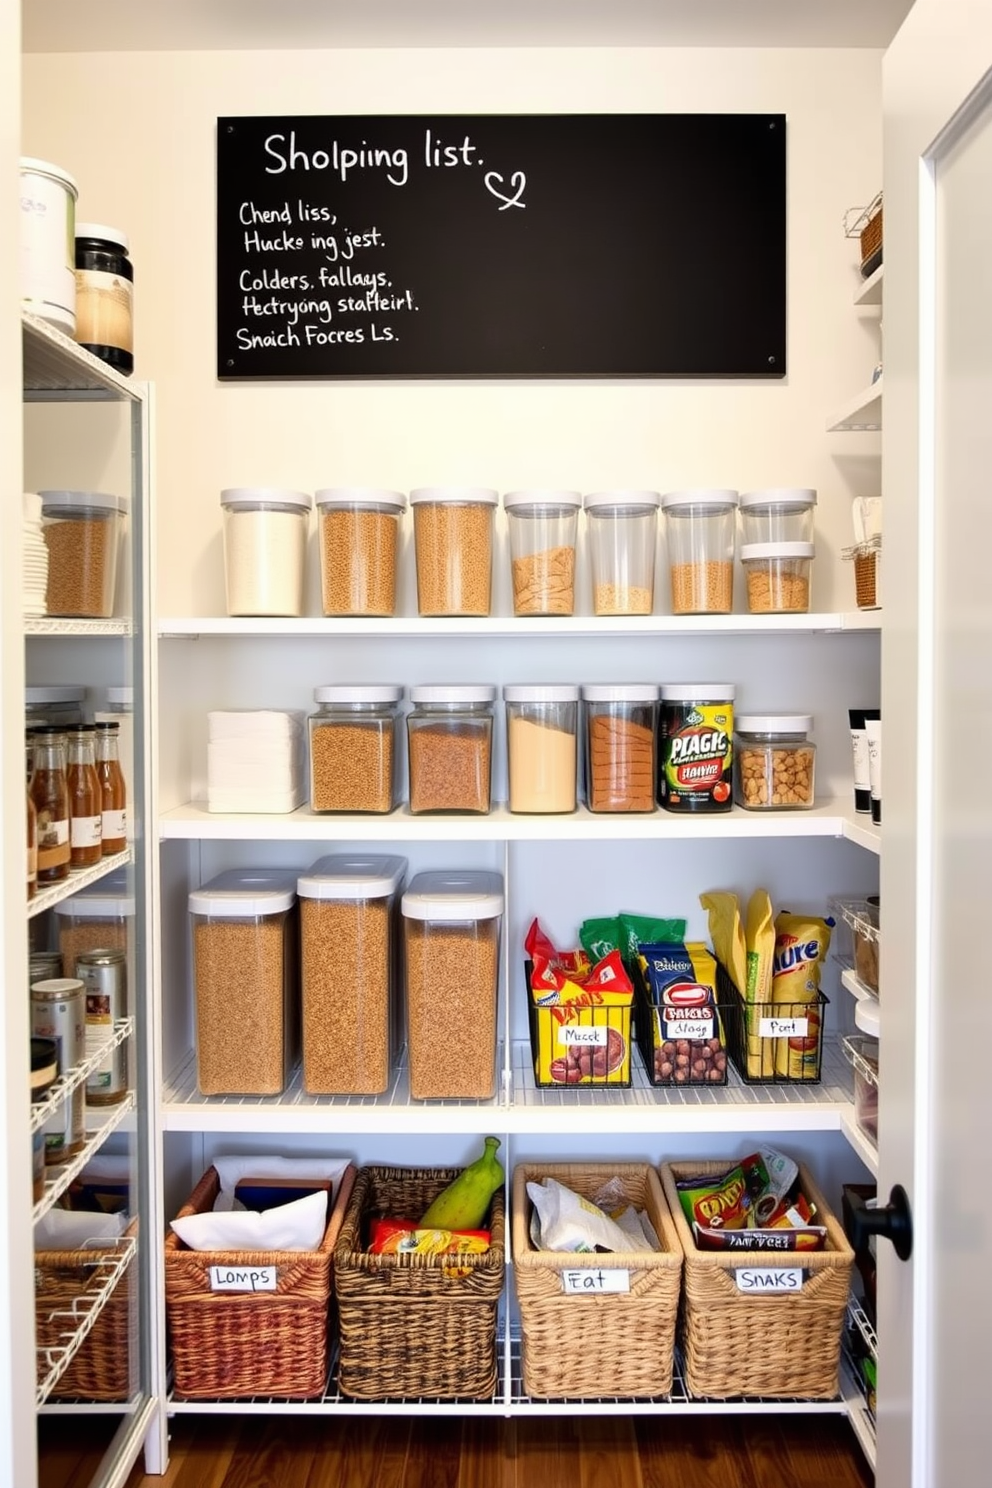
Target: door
x=935, y=1312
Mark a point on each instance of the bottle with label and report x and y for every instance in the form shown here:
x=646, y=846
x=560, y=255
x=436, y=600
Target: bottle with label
x=32, y=848
x=113, y=791
x=85, y=794
x=50, y=794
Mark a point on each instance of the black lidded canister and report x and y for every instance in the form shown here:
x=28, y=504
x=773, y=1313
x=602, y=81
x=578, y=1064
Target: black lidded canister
x=105, y=295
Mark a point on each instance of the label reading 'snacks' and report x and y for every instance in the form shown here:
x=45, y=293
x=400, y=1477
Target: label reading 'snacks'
x=696, y=756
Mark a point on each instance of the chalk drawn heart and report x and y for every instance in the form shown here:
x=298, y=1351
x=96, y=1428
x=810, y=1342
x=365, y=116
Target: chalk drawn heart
x=518, y=181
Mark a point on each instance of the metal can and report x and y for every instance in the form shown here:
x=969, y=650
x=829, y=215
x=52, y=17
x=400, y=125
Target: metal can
x=57, y=1013
x=695, y=766
x=103, y=974
x=43, y=965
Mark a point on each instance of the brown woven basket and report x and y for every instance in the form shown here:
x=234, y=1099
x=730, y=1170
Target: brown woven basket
x=871, y=237
x=103, y=1368
x=617, y=1343
x=409, y=1327
x=786, y=1346
x=230, y=1344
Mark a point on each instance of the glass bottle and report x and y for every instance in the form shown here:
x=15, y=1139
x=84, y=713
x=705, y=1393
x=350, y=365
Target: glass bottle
x=85, y=794
x=50, y=794
x=32, y=847
x=113, y=798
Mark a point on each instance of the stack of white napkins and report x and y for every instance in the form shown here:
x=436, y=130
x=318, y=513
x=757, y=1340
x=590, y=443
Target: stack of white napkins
x=256, y=761
x=35, y=559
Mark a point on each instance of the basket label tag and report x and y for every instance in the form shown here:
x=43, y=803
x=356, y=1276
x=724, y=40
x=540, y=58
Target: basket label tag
x=687, y=1028
x=783, y=1027
x=587, y=1283
x=771, y=1281
x=571, y=1033
x=242, y=1278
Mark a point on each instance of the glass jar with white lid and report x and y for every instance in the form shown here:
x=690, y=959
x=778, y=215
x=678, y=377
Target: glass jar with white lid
x=777, y=515
x=450, y=736
x=354, y=757
x=359, y=544
x=622, y=531
x=265, y=545
x=541, y=747
x=774, y=761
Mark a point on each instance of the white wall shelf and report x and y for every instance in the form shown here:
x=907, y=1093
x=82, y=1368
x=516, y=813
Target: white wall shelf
x=549, y=627
x=869, y=292
x=861, y=413
x=53, y=625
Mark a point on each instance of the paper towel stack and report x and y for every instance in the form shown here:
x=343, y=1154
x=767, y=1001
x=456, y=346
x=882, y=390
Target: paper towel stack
x=256, y=761
x=35, y=551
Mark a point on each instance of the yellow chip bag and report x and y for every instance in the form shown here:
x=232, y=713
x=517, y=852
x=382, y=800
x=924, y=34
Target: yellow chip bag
x=727, y=934
x=801, y=945
x=759, y=937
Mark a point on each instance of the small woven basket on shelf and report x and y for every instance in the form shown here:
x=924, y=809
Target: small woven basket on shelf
x=615, y=1343
x=417, y=1325
x=104, y=1366
x=737, y=1343
x=226, y=1344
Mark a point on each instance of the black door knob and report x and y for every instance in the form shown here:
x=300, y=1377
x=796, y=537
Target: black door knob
x=893, y=1221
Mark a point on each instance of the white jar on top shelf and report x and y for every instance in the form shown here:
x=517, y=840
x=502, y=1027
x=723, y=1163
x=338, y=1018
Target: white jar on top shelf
x=265, y=545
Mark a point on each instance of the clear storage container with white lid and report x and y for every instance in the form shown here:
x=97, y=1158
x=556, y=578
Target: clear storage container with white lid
x=622, y=534
x=541, y=746
x=265, y=544
x=774, y=761
x=453, y=547
x=780, y=514
x=621, y=721
x=245, y=964
x=777, y=576
x=542, y=527
x=354, y=755
x=96, y=917
x=449, y=737
x=348, y=972
x=82, y=531
x=701, y=538
x=55, y=705
x=451, y=926
x=358, y=528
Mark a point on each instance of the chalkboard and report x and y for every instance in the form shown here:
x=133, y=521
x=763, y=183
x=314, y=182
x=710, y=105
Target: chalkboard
x=593, y=245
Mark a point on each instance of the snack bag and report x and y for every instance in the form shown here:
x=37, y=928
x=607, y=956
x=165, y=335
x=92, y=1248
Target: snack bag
x=580, y=1018
x=759, y=937
x=727, y=935
x=689, y=1044
x=599, y=937
x=801, y=945
x=638, y=930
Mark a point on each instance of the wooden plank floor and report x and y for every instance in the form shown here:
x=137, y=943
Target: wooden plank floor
x=230, y=1451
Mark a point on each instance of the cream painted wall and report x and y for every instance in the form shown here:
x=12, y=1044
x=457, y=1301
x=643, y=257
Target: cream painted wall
x=138, y=133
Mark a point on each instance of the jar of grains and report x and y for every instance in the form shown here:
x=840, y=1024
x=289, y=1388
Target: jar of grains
x=348, y=962
x=245, y=965
x=353, y=754
x=700, y=528
x=97, y=916
x=542, y=527
x=82, y=531
x=783, y=515
x=620, y=729
x=622, y=528
x=453, y=544
x=359, y=540
x=777, y=577
x=541, y=736
x=265, y=545
x=774, y=761
x=449, y=736
x=451, y=934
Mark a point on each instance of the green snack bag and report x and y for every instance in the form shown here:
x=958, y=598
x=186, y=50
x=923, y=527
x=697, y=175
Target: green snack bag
x=599, y=937
x=638, y=930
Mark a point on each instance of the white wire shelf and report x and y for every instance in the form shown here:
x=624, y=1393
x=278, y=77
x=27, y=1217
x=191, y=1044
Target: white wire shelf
x=54, y=625
x=49, y=895
x=55, y=364
x=67, y=1083
x=58, y=1179
x=110, y=1261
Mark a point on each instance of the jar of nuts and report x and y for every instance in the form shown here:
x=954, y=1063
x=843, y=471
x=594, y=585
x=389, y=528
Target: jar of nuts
x=353, y=753
x=773, y=762
x=777, y=577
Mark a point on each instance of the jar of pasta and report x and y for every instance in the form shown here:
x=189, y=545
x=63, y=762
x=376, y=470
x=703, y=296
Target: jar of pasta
x=620, y=728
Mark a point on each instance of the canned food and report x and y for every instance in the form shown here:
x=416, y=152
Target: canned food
x=57, y=1013
x=103, y=974
x=696, y=747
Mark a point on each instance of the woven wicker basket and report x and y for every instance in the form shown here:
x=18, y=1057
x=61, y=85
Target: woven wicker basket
x=231, y=1344
x=733, y=1343
x=617, y=1343
x=871, y=242
x=104, y=1366
x=408, y=1327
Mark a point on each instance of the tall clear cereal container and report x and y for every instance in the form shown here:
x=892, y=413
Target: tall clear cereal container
x=541, y=747
x=621, y=727
x=245, y=966
x=265, y=547
x=98, y=917
x=449, y=744
x=82, y=531
x=542, y=529
x=348, y=972
x=783, y=514
x=359, y=547
x=451, y=933
x=354, y=758
x=700, y=527
x=622, y=533
x=453, y=544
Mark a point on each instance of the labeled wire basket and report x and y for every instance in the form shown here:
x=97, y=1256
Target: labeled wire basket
x=773, y=1043
x=580, y=1044
x=681, y=1046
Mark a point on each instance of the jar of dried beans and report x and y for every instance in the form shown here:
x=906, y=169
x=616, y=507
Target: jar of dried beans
x=82, y=531
x=450, y=736
x=348, y=963
x=777, y=577
x=774, y=762
x=621, y=727
x=245, y=968
x=353, y=753
x=359, y=541
x=451, y=933
x=453, y=544
x=622, y=530
x=542, y=527
x=700, y=527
